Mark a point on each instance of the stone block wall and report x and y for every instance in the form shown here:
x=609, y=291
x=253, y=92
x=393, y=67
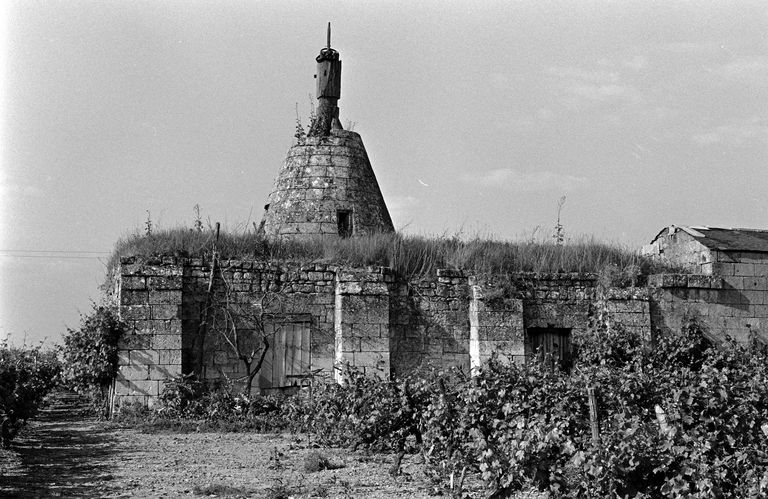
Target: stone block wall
x=557, y=301
x=362, y=322
x=429, y=322
x=505, y=307
x=163, y=302
x=150, y=351
x=496, y=325
x=288, y=293
x=630, y=307
x=739, y=264
x=388, y=326
x=681, y=248
x=727, y=305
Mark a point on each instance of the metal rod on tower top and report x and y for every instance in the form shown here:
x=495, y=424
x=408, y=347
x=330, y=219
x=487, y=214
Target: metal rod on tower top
x=329, y=35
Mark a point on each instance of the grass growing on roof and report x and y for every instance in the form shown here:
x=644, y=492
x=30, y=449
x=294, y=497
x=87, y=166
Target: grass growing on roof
x=408, y=255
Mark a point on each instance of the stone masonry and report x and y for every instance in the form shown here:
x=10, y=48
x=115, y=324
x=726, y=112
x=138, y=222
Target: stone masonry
x=326, y=186
x=727, y=288
x=368, y=318
x=322, y=179
x=729, y=305
x=150, y=299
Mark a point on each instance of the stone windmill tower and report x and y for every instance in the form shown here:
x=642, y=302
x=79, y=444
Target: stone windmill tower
x=326, y=186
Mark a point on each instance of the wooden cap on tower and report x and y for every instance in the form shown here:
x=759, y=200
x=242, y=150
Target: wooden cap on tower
x=328, y=90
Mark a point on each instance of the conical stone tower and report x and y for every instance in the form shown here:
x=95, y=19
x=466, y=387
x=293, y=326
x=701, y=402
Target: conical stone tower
x=326, y=186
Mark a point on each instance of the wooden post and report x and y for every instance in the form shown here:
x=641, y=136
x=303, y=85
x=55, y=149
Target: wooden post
x=112, y=397
x=213, y=263
x=594, y=422
x=202, y=328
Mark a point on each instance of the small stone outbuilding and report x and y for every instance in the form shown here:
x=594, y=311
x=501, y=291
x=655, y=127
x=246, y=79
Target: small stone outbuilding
x=713, y=250
x=726, y=286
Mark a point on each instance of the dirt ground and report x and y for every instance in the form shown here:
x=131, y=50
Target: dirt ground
x=64, y=454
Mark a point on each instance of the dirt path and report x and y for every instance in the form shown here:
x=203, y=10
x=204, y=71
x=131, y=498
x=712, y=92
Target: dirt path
x=63, y=454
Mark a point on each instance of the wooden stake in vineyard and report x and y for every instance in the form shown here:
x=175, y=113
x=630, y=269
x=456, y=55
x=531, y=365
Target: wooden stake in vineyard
x=594, y=422
x=199, y=347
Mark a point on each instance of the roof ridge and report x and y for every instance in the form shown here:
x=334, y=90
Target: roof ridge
x=751, y=230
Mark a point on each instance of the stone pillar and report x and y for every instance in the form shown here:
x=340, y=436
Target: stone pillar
x=361, y=322
x=495, y=327
x=474, y=330
x=150, y=350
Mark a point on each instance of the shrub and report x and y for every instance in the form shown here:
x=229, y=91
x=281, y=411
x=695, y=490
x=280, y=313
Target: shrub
x=678, y=419
x=26, y=376
x=217, y=406
x=511, y=423
x=523, y=425
x=615, y=348
x=90, y=352
x=315, y=461
x=363, y=411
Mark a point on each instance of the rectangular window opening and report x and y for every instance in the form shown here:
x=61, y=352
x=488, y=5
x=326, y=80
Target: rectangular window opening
x=344, y=221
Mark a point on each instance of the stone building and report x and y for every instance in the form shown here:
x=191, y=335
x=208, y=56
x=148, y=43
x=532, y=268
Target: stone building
x=713, y=250
x=324, y=314
x=727, y=286
x=389, y=325
x=326, y=186
x=320, y=315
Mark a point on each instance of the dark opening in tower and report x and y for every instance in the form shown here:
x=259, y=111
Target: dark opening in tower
x=344, y=221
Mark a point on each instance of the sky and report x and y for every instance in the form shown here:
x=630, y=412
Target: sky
x=477, y=117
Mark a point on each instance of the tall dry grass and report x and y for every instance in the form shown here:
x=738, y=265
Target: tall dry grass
x=408, y=255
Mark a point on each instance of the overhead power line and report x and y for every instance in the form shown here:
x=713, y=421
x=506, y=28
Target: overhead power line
x=56, y=257
x=54, y=254
x=53, y=251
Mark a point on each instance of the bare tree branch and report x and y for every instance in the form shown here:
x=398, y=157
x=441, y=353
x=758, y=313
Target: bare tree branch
x=244, y=326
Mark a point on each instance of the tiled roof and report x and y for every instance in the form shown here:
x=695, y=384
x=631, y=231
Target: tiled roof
x=728, y=239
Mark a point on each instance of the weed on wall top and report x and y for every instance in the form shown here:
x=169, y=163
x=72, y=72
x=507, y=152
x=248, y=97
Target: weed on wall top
x=410, y=256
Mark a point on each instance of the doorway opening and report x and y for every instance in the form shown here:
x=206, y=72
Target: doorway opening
x=552, y=345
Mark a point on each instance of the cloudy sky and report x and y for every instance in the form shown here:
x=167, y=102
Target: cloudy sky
x=477, y=118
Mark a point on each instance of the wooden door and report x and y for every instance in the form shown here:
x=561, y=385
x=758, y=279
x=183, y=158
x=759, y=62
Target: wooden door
x=288, y=357
x=552, y=345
